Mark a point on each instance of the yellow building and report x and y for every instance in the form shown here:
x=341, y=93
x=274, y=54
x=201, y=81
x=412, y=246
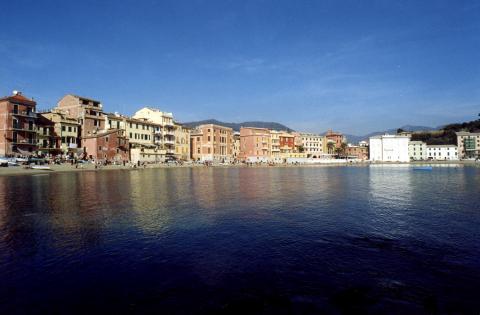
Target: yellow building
x=66, y=128
x=182, y=142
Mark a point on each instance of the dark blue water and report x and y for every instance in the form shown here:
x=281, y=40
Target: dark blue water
x=339, y=240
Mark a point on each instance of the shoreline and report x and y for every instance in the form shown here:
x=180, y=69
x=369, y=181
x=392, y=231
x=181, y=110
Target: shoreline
x=67, y=168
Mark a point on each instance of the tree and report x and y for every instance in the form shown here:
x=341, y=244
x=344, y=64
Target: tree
x=330, y=147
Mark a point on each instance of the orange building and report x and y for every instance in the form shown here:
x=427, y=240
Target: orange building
x=18, y=129
x=212, y=143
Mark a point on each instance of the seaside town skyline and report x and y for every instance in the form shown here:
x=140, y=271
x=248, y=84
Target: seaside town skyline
x=78, y=128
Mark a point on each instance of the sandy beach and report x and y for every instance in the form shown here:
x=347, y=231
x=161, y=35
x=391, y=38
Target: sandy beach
x=88, y=167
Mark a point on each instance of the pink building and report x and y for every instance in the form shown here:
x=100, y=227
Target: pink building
x=255, y=144
x=212, y=143
x=111, y=145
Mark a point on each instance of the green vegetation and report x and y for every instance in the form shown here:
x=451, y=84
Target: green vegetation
x=447, y=134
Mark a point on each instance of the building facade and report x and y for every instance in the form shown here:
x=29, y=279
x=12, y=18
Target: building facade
x=442, y=152
x=468, y=144
x=389, y=148
x=417, y=150
x=107, y=146
x=88, y=113
x=48, y=141
x=255, y=144
x=312, y=144
x=67, y=129
x=335, y=138
x=18, y=125
x=211, y=143
x=357, y=152
x=164, y=132
x=182, y=142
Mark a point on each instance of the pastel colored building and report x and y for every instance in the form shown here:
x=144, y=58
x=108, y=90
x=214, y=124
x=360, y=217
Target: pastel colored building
x=111, y=145
x=48, y=141
x=164, y=133
x=18, y=125
x=182, y=142
x=88, y=113
x=468, y=144
x=67, y=129
x=389, y=148
x=255, y=144
x=236, y=146
x=417, y=150
x=336, y=138
x=357, y=152
x=442, y=152
x=211, y=143
x=312, y=144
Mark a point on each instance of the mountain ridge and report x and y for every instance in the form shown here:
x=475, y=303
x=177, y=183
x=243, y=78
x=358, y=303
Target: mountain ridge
x=236, y=126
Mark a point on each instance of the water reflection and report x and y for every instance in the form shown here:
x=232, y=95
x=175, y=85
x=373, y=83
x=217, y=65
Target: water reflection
x=321, y=237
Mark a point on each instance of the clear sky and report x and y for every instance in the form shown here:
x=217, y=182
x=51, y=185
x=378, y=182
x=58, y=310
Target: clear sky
x=355, y=66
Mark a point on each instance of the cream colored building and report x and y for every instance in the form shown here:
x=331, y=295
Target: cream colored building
x=275, y=146
x=164, y=133
x=312, y=144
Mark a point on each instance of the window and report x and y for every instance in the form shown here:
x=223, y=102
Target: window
x=63, y=128
x=99, y=148
x=69, y=129
x=106, y=139
x=208, y=139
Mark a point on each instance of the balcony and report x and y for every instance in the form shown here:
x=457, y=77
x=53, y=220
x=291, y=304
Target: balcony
x=169, y=142
x=26, y=129
x=25, y=141
x=24, y=114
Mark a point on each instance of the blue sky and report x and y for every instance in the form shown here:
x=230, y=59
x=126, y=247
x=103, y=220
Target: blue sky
x=354, y=66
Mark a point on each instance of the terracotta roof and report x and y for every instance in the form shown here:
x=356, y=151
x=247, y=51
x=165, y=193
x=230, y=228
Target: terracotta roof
x=19, y=98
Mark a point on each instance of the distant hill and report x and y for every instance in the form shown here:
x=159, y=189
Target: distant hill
x=356, y=139
x=236, y=126
x=446, y=135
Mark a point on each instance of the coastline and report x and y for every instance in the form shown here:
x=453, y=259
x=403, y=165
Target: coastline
x=67, y=168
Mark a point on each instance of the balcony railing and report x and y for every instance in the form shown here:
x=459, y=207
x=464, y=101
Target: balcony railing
x=27, y=129
x=25, y=141
x=24, y=114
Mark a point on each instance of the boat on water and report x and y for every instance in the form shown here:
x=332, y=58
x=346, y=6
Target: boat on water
x=422, y=168
x=41, y=167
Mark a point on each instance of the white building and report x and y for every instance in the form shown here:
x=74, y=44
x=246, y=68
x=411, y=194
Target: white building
x=442, y=152
x=417, y=150
x=312, y=144
x=389, y=148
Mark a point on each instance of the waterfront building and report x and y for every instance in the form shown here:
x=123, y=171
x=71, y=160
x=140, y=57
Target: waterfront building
x=88, y=113
x=48, y=142
x=389, y=148
x=312, y=144
x=442, y=152
x=211, y=143
x=357, y=152
x=468, y=144
x=275, y=146
x=236, y=146
x=182, y=142
x=417, y=150
x=287, y=143
x=107, y=145
x=336, y=138
x=67, y=129
x=164, y=133
x=18, y=131
x=255, y=144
